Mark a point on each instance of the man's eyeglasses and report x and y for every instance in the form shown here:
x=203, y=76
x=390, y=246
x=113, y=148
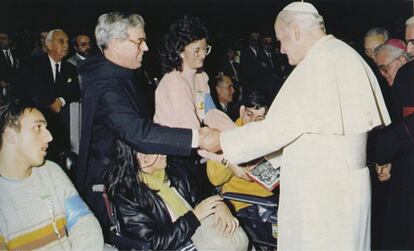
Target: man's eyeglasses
x=206, y=50
x=409, y=41
x=385, y=68
x=139, y=42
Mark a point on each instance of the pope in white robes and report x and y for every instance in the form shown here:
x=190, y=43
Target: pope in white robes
x=319, y=120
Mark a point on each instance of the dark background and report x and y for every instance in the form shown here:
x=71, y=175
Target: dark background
x=226, y=20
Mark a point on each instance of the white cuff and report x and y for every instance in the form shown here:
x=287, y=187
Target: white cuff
x=194, y=141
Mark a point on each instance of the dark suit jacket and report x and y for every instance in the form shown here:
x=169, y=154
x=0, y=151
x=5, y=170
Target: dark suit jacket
x=269, y=63
x=36, y=83
x=228, y=71
x=250, y=66
x=37, y=80
x=8, y=72
x=112, y=109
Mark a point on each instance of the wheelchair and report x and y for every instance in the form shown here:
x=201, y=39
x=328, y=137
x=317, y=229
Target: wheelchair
x=68, y=160
x=259, y=220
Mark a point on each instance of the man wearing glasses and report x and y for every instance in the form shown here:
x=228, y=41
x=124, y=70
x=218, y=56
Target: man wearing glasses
x=389, y=57
x=390, y=145
x=114, y=109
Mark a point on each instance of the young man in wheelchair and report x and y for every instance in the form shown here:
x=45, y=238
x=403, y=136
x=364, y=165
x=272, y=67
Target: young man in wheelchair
x=234, y=178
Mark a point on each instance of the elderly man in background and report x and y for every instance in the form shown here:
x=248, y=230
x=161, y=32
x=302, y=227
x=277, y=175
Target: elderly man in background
x=397, y=65
x=223, y=95
x=374, y=38
x=319, y=119
x=113, y=107
x=52, y=83
x=390, y=58
x=409, y=35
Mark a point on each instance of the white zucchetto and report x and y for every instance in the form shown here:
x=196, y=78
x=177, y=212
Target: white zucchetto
x=301, y=7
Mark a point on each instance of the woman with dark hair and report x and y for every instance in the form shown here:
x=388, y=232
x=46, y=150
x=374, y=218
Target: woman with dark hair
x=183, y=98
x=183, y=95
x=154, y=206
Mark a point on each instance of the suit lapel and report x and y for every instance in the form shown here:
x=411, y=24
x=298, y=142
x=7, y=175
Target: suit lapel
x=47, y=69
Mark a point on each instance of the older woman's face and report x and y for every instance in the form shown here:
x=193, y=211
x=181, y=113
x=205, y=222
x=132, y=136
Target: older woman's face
x=194, y=54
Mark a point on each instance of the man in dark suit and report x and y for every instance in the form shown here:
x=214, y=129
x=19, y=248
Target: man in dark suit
x=113, y=108
x=269, y=81
x=230, y=66
x=53, y=84
x=250, y=63
x=9, y=65
x=222, y=92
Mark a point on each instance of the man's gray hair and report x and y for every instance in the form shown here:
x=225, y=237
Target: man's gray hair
x=409, y=21
x=378, y=31
x=306, y=21
x=115, y=25
x=50, y=34
x=392, y=52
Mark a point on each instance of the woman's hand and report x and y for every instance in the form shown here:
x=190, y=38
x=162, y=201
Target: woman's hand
x=207, y=207
x=224, y=221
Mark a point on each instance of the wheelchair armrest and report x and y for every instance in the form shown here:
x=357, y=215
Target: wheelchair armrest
x=252, y=199
x=114, y=237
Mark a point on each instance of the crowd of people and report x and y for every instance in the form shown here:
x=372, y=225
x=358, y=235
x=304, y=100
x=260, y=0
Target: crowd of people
x=88, y=150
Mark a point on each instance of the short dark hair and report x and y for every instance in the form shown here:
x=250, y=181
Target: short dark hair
x=182, y=32
x=256, y=99
x=11, y=114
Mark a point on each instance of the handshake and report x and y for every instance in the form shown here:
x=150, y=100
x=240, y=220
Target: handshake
x=209, y=139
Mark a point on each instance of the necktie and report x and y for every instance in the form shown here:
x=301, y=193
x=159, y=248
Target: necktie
x=8, y=58
x=57, y=72
x=269, y=56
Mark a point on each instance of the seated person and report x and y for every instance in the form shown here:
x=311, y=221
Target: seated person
x=234, y=178
x=39, y=206
x=157, y=208
x=222, y=92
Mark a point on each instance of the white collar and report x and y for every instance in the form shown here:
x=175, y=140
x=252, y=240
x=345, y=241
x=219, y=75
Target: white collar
x=79, y=56
x=53, y=63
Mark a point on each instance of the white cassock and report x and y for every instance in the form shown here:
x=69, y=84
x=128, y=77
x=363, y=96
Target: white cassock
x=319, y=120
